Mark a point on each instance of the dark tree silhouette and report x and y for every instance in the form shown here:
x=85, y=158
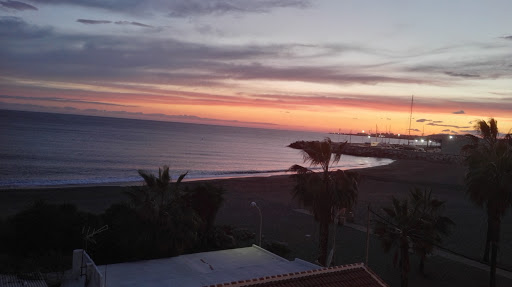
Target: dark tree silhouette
x=327, y=193
x=489, y=182
x=415, y=222
x=206, y=200
x=170, y=225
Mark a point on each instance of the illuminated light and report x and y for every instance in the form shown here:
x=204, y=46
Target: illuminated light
x=451, y=137
x=362, y=131
x=421, y=140
x=368, y=136
x=398, y=134
x=415, y=140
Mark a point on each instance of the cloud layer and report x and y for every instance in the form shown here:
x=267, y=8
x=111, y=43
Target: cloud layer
x=183, y=8
x=16, y=5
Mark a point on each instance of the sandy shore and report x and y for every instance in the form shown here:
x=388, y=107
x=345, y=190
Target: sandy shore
x=282, y=222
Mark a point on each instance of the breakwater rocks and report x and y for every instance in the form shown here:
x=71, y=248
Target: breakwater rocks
x=401, y=152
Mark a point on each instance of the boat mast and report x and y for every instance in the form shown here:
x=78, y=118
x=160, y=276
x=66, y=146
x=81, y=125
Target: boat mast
x=410, y=120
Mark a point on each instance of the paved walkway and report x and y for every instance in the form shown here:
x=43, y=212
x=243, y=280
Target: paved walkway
x=441, y=253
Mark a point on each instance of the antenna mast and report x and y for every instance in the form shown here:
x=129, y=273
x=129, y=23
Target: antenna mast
x=410, y=120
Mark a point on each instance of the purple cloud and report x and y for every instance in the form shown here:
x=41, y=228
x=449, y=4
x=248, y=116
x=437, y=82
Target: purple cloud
x=93, y=22
x=450, y=126
x=462, y=75
x=185, y=8
x=460, y=112
x=133, y=23
x=16, y=5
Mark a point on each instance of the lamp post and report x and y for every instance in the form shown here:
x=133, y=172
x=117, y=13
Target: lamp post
x=253, y=204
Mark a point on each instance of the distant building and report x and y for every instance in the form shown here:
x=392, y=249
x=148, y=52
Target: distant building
x=250, y=266
x=451, y=144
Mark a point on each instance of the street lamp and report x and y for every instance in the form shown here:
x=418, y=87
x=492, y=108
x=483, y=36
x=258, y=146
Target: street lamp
x=253, y=204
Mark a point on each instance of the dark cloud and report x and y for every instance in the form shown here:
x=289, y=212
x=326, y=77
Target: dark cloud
x=462, y=75
x=87, y=21
x=14, y=29
x=507, y=37
x=30, y=51
x=450, y=126
x=414, y=130
x=198, y=7
x=437, y=122
x=484, y=67
x=423, y=120
x=133, y=23
x=447, y=130
x=87, y=57
x=62, y=100
x=16, y=5
x=184, y=8
x=460, y=112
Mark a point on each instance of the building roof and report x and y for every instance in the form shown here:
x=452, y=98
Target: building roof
x=200, y=269
x=352, y=275
x=249, y=266
x=25, y=280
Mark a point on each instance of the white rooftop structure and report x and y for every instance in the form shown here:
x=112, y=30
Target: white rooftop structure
x=198, y=269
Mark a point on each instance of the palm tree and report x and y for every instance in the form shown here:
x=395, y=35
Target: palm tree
x=206, y=200
x=489, y=182
x=171, y=225
x=326, y=193
x=434, y=225
x=413, y=222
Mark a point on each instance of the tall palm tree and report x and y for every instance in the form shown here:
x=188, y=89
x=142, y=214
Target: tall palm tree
x=412, y=223
x=325, y=193
x=489, y=182
x=434, y=224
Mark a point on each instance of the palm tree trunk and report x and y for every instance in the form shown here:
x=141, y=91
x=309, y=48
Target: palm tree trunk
x=404, y=278
x=324, y=242
x=488, y=239
x=494, y=254
x=496, y=222
x=324, y=221
x=422, y=265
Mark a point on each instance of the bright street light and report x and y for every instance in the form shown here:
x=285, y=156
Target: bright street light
x=253, y=204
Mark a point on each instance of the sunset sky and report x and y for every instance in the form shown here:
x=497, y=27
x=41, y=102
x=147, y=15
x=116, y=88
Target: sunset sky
x=285, y=64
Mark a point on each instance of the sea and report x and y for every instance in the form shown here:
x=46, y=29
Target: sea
x=45, y=149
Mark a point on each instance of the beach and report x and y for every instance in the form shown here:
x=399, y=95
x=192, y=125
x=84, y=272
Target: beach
x=283, y=221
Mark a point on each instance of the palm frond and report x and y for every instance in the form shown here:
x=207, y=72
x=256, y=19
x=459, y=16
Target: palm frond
x=149, y=178
x=181, y=177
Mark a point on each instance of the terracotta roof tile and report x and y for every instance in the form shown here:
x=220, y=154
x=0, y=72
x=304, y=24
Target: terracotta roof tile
x=351, y=275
